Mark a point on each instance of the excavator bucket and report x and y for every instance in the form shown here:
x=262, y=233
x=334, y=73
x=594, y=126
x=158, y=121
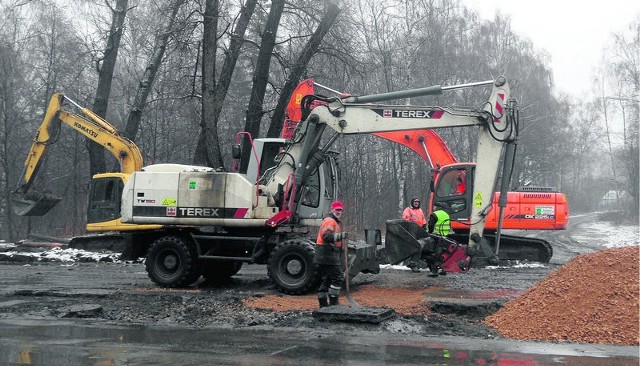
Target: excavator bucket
x=401, y=240
x=33, y=203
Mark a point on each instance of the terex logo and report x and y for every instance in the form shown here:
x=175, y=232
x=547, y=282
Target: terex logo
x=198, y=212
x=410, y=113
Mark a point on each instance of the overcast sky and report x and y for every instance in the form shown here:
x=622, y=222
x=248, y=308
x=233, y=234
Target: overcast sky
x=573, y=32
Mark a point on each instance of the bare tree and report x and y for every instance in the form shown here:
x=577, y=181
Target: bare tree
x=261, y=76
x=208, y=147
x=106, y=67
x=299, y=66
x=625, y=68
x=7, y=116
x=144, y=88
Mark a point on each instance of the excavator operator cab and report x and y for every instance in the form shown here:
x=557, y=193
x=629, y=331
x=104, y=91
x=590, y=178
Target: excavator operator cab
x=319, y=188
x=450, y=190
x=105, y=193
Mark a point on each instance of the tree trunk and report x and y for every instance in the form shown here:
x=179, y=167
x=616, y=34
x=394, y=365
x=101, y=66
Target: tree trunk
x=105, y=76
x=149, y=76
x=261, y=78
x=231, y=58
x=300, y=65
x=209, y=153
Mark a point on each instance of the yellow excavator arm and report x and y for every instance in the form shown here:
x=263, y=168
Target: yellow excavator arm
x=28, y=202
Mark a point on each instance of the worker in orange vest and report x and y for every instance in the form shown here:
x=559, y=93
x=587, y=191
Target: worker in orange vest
x=414, y=213
x=328, y=256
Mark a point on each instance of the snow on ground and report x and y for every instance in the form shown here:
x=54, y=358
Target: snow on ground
x=609, y=235
x=66, y=255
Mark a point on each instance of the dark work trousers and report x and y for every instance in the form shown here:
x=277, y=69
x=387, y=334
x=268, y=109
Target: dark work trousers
x=331, y=276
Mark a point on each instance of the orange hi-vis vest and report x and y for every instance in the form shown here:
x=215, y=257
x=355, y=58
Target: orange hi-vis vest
x=328, y=224
x=415, y=215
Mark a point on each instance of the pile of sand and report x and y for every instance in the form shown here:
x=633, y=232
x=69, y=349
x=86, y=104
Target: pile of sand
x=591, y=299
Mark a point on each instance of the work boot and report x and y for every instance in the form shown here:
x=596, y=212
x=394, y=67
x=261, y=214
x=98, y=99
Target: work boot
x=333, y=300
x=413, y=266
x=442, y=272
x=433, y=272
x=323, y=299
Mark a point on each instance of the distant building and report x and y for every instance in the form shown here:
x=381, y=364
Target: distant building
x=614, y=200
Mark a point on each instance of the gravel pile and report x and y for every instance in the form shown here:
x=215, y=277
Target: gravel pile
x=591, y=299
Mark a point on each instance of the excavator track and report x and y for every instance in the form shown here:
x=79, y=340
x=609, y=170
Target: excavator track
x=515, y=248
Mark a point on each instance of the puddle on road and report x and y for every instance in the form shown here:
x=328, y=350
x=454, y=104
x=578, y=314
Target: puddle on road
x=56, y=344
x=443, y=293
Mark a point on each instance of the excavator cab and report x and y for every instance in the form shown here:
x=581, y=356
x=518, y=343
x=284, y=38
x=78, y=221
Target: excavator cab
x=104, y=199
x=450, y=190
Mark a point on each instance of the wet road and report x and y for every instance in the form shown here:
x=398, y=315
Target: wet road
x=40, y=340
x=76, y=342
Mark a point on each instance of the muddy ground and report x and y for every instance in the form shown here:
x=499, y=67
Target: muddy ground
x=120, y=292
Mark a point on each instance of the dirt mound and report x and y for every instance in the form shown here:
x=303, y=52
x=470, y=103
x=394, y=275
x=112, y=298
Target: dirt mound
x=405, y=301
x=591, y=299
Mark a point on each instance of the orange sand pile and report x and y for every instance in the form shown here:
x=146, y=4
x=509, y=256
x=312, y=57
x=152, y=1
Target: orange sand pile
x=591, y=299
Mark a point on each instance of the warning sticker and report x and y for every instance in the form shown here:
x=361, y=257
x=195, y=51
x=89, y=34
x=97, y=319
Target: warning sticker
x=169, y=202
x=477, y=200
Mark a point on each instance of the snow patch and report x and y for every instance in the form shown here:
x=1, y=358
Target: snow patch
x=610, y=236
x=67, y=255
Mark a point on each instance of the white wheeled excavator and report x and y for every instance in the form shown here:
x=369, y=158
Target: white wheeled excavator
x=212, y=220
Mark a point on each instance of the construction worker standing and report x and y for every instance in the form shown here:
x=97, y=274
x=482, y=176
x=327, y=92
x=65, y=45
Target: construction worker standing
x=328, y=256
x=439, y=224
x=414, y=213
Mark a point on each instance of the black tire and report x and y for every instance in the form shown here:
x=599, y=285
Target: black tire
x=291, y=267
x=215, y=271
x=172, y=262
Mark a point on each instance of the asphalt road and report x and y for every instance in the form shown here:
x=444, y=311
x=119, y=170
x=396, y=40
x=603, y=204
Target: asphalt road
x=111, y=314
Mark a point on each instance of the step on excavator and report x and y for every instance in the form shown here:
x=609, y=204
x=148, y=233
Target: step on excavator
x=192, y=221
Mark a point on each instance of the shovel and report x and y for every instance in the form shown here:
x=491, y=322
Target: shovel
x=345, y=251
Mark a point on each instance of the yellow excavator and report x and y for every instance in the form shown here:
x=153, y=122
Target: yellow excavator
x=29, y=202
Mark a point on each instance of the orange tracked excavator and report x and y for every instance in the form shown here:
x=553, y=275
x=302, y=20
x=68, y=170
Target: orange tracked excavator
x=526, y=208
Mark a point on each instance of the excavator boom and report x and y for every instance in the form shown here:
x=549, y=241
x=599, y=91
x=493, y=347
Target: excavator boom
x=29, y=202
x=496, y=123
x=543, y=209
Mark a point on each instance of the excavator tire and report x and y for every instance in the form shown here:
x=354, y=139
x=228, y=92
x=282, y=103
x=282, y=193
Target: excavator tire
x=291, y=267
x=215, y=271
x=172, y=261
